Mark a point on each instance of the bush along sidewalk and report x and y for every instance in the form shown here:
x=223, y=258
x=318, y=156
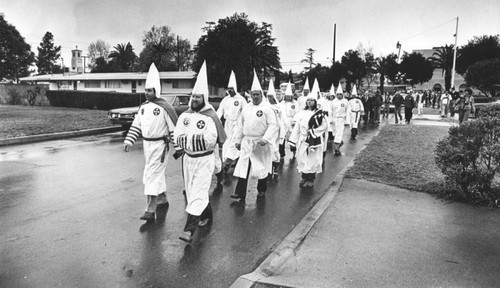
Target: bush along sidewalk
x=469, y=157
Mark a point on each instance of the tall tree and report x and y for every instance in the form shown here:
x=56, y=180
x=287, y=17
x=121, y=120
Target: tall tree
x=323, y=74
x=370, y=63
x=383, y=67
x=309, y=58
x=98, y=49
x=442, y=59
x=484, y=75
x=123, y=57
x=159, y=48
x=338, y=71
x=183, y=55
x=479, y=48
x=392, y=68
x=356, y=68
x=238, y=44
x=48, y=54
x=416, y=69
x=15, y=54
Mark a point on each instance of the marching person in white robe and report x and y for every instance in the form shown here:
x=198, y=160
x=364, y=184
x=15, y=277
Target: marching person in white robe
x=196, y=135
x=331, y=122
x=289, y=107
x=307, y=138
x=230, y=109
x=341, y=112
x=357, y=111
x=280, y=137
x=256, y=131
x=302, y=99
x=155, y=122
x=323, y=105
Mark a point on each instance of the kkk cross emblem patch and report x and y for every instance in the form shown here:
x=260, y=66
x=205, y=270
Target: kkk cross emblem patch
x=342, y=105
x=293, y=106
x=200, y=124
x=156, y=112
x=186, y=122
x=259, y=113
x=236, y=103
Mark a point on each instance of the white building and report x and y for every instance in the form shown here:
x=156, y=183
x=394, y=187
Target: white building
x=129, y=82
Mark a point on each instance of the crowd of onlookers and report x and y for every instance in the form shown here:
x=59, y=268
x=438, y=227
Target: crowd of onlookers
x=447, y=102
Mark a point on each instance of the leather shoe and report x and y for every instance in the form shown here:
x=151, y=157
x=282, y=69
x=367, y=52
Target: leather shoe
x=148, y=216
x=186, y=237
x=162, y=206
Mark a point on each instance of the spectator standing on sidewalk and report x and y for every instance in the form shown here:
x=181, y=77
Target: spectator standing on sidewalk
x=377, y=104
x=465, y=106
x=387, y=102
x=420, y=103
x=197, y=135
x=445, y=102
x=409, y=106
x=156, y=122
x=397, y=101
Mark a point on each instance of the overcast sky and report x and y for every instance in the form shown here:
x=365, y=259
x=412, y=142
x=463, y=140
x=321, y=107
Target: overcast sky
x=297, y=25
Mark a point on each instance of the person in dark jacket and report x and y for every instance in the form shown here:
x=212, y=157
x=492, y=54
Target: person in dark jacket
x=377, y=104
x=397, y=101
x=410, y=104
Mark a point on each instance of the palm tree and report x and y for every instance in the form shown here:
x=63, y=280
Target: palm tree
x=123, y=56
x=442, y=58
x=385, y=67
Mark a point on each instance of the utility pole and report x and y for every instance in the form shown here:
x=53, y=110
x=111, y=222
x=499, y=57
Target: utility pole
x=334, y=41
x=454, y=57
x=398, y=45
x=178, y=55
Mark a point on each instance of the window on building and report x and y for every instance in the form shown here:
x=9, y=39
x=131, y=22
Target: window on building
x=183, y=84
x=112, y=84
x=92, y=84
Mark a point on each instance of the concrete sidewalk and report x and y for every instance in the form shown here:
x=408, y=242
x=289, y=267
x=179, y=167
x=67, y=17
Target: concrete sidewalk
x=375, y=235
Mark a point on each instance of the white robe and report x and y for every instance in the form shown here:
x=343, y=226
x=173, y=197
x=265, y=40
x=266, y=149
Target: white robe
x=307, y=161
x=357, y=110
x=230, y=108
x=152, y=121
x=257, y=122
x=341, y=112
x=197, y=135
x=281, y=133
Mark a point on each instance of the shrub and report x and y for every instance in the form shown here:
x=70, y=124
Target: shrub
x=32, y=94
x=469, y=157
x=490, y=110
x=14, y=97
x=94, y=100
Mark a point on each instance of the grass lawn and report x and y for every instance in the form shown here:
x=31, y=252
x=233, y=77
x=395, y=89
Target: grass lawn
x=18, y=120
x=402, y=156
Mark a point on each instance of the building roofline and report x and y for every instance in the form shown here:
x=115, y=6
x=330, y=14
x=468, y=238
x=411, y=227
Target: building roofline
x=187, y=75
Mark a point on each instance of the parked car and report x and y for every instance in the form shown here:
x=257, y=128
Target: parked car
x=125, y=116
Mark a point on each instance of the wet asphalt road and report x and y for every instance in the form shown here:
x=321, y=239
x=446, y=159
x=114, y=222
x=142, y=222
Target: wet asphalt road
x=69, y=214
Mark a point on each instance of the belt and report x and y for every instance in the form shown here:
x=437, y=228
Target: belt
x=166, y=139
x=200, y=155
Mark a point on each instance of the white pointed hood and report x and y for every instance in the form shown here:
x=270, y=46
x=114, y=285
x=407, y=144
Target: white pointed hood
x=316, y=88
x=332, y=90
x=153, y=80
x=314, y=93
x=255, y=83
x=201, y=85
x=339, y=89
x=354, y=92
x=232, y=82
x=306, y=85
x=288, y=91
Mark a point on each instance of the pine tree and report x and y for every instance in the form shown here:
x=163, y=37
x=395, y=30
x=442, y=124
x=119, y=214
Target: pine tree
x=48, y=54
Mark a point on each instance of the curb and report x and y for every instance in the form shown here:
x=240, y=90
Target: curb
x=56, y=136
x=288, y=248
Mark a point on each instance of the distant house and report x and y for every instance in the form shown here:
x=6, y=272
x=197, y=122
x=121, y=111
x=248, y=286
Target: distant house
x=437, y=81
x=129, y=82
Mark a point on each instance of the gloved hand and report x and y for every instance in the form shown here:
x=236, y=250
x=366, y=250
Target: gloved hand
x=178, y=154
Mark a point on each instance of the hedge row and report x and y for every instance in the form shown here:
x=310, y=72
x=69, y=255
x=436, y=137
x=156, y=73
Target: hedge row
x=94, y=100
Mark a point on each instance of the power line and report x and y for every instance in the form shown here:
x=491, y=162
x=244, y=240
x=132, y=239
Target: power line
x=430, y=29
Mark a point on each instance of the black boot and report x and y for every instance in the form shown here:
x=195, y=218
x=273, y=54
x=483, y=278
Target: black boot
x=353, y=133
